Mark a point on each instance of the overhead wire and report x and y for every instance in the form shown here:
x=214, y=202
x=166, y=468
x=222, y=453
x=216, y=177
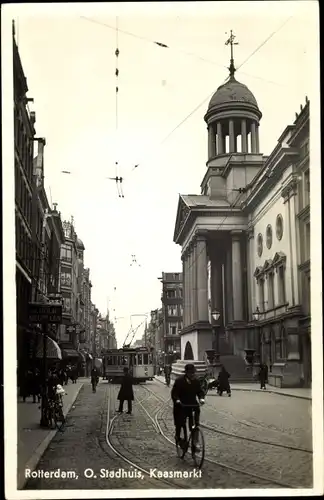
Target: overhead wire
x=163, y=45
x=209, y=95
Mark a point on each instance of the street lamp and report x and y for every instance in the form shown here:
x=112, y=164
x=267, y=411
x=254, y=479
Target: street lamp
x=256, y=316
x=216, y=315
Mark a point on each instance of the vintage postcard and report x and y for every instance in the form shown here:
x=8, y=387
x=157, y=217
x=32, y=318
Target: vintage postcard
x=162, y=195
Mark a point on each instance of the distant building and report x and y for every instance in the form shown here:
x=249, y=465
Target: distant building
x=69, y=269
x=172, y=312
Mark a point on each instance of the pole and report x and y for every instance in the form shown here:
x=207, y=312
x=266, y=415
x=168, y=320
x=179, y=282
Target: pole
x=44, y=420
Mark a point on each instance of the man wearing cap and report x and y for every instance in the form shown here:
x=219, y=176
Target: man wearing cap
x=185, y=391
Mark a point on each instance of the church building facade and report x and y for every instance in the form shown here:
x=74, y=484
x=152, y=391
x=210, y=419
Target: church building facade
x=246, y=243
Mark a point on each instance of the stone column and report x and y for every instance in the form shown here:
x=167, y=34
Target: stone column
x=252, y=300
x=202, y=276
x=257, y=139
x=194, y=282
x=237, y=276
x=253, y=138
x=244, y=137
x=188, y=286
x=231, y=137
x=211, y=142
x=224, y=143
x=228, y=285
x=184, y=305
x=220, y=139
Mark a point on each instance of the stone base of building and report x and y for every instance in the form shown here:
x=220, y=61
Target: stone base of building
x=286, y=374
x=196, y=339
x=237, y=333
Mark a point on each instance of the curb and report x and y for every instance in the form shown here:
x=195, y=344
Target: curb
x=40, y=450
x=269, y=391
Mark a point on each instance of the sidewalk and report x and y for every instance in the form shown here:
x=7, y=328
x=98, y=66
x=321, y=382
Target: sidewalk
x=255, y=387
x=32, y=440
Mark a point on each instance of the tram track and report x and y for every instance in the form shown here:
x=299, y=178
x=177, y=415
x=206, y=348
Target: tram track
x=108, y=434
x=245, y=438
x=165, y=403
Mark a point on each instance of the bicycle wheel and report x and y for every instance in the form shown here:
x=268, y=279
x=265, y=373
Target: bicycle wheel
x=59, y=418
x=197, y=447
x=182, y=450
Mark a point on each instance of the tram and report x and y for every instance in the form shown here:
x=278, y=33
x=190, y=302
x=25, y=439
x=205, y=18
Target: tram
x=139, y=361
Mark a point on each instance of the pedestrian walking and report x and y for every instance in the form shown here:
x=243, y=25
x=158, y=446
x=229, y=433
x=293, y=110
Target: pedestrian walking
x=263, y=375
x=94, y=378
x=25, y=385
x=223, y=382
x=126, y=392
x=74, y=374
x=35, y=387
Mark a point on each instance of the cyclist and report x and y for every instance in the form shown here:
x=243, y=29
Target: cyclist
x=185, y=391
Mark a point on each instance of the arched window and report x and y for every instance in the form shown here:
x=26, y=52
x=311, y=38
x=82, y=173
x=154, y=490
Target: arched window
x=188, y=354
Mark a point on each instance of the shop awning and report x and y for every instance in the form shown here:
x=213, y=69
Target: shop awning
x=53, y=350
x=70, y=353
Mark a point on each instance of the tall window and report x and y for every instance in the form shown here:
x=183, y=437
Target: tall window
x=172, y=329
x=180, y=293
x=172, y=310
x=281, y=285
x=181, y=310
x=271, y=301
x=261, y=296
x=306, y=188
x=171, y=294
x=66, y=253
x=66, y=279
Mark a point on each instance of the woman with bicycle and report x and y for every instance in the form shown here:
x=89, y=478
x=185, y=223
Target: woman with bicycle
x=185, y=391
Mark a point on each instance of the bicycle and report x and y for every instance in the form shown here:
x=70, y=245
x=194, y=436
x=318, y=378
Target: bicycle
x=196, y=436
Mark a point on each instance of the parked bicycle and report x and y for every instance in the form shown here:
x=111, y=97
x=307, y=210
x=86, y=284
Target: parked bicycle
x=54, y=409
x=195, y=441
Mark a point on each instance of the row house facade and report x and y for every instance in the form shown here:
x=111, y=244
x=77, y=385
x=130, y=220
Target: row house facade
x=38, y=227
x=246, y=243
x=172, y=311
x=94, y=336
x=69, y=268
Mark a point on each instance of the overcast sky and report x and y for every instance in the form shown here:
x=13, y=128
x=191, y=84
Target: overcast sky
x=69, y=63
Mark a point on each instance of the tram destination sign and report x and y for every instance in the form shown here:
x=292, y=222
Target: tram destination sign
x=45, y=313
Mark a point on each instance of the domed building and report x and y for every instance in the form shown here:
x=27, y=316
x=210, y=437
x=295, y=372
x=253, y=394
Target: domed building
x=242, y=299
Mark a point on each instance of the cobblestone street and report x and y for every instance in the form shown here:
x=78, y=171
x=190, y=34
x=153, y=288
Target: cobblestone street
x=134, y=445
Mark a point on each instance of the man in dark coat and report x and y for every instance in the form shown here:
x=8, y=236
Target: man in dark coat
x=223, y=382
x=94, y=378
x=263, y=375
x=126, y=392
x=184, y=394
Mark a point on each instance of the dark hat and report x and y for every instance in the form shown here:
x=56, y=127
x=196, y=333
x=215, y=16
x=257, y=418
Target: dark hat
x=190, y=368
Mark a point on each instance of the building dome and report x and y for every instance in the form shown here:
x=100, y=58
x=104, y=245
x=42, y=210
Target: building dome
x=231, y=92
x=79, y=244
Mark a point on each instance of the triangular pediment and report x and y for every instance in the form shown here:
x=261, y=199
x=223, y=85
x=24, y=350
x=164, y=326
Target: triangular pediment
x=183, y=212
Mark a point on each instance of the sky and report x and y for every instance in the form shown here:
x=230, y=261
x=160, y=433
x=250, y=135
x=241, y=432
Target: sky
x=70, y=62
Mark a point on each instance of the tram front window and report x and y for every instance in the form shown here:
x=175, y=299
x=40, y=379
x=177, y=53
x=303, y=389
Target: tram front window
x=140, y=359
x=145, y=356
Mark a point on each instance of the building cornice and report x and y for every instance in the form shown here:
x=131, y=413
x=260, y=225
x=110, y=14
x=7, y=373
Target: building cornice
x=272, y=174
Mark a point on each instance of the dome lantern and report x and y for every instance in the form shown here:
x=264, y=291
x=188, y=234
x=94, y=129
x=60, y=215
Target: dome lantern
x=232, y=117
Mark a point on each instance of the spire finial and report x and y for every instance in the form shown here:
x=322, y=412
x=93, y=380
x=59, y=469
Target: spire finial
x=231, y=42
